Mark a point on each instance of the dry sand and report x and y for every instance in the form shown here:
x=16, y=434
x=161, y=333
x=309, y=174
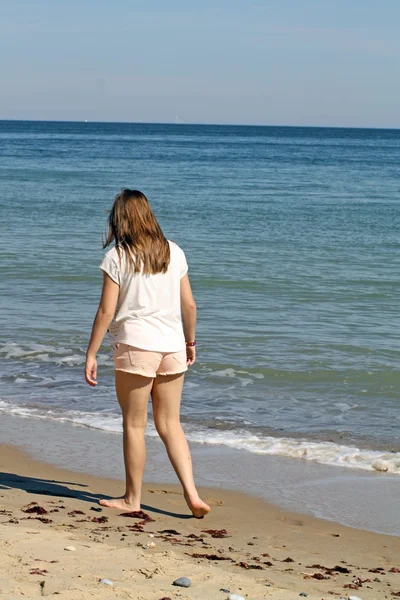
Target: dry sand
x=267, y=553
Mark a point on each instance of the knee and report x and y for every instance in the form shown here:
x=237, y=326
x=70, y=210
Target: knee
x=166, y=427
x=138, y=423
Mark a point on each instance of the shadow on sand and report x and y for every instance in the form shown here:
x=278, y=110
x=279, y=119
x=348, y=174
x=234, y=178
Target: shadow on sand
x=60, y=489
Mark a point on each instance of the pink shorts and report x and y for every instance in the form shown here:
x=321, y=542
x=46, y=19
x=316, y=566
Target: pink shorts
x=148, y=363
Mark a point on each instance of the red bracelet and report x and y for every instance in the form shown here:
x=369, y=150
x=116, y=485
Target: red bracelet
x=191, y=344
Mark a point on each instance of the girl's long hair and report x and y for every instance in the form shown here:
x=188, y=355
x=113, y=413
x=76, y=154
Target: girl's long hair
x=133, y=228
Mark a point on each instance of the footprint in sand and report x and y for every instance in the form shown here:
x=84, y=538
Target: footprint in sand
x=214, y=502
x=210, y=501
x=291, y=521
x=163, y=492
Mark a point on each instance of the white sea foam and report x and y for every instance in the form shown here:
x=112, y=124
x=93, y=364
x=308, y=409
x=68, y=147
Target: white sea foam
x=224, y=373
x=343, y=406
x=327, y=453
x=49, y=354
x=232, y=373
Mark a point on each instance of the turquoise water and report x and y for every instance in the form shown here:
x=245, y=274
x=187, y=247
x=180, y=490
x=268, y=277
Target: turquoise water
x=292, y=240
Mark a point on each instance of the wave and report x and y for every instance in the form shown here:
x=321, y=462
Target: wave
x=60, y=356
x=73, y=356
x=326, y=453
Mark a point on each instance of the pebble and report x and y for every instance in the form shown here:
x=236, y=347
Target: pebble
x=151, y=545
x=184, y=582
x=224, y=590
x=70, y=548
x=151, y=534
x=354, y=598
x=106, y=582
x=304, y=594
x=235, y=597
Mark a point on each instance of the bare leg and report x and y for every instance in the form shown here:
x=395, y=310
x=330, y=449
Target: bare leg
x=166, y=396
x=133, y=393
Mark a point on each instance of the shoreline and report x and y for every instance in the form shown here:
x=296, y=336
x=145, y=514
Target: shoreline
x=353, y=498
x=268, y=551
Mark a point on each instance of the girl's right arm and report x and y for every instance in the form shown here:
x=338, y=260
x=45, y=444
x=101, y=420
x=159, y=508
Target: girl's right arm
x=103, y=318
x=189, y=315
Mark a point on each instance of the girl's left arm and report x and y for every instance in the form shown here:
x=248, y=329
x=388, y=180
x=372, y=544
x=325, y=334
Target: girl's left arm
x=103, y=318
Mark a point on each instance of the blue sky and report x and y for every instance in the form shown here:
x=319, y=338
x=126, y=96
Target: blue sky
x=283, y=62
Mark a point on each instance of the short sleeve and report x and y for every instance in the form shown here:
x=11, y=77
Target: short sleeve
x=183, y=264
x=111, y=267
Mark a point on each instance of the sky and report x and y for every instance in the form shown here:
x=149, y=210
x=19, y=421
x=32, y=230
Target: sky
x=272, y=62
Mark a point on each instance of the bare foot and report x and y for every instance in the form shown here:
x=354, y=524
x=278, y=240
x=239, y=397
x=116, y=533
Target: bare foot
x=120, y=504
x=197, y=506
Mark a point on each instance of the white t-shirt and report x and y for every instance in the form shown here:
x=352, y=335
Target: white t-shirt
x=148, y=314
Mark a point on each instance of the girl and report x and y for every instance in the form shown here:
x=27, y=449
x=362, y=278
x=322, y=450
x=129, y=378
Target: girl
x=146, y=296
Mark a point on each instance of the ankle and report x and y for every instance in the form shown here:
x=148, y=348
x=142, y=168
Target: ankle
x=131, y=498
x=192, y=494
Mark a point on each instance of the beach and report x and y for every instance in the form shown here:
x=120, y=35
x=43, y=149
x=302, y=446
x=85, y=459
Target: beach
x=54, y=542
x=292, y=407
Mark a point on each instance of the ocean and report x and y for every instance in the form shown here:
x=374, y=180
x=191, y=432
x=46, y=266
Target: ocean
x=292, y=240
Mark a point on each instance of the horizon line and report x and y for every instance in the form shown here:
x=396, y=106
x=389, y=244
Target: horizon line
x=179, y=124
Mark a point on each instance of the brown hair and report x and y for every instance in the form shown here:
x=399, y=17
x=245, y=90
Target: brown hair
x=134, y=229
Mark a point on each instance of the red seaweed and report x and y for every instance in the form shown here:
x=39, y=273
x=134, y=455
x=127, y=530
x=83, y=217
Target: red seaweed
x=339, y=569
x=170, y=531
x=99, y=519
x=216, y=533
x=245, y=565
x=138, y=514
x=44, y=560
x=208, y=556
x=35, y=508
x=38, y=572
x=330, y=570
x=75, y=512
x=136, y=527
x=44, y=520
x=358, y=581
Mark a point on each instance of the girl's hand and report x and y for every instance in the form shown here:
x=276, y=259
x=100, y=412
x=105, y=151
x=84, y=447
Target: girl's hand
x=190, y=355
x=91, y=370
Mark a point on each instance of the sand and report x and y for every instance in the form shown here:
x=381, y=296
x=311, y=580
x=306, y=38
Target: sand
x=267, y=553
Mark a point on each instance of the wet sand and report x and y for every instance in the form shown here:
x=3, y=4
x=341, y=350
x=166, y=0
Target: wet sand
x=348, y=496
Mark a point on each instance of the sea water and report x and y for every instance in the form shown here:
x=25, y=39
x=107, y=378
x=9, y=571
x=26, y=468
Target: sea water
x=292, y=240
